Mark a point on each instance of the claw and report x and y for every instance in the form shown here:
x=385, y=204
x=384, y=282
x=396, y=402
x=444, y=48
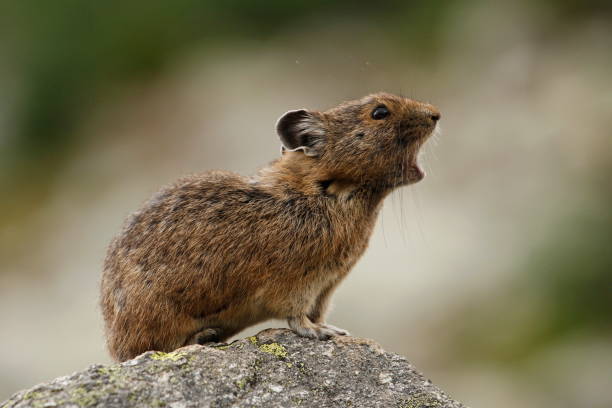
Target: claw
x=336, y=330
x=306, y=328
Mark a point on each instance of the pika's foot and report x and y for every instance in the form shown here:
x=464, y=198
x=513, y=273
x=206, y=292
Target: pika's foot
x=205, y=336
x=338, y=331
x=306, y=328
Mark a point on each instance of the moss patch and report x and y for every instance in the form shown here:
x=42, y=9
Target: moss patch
x=274, y=348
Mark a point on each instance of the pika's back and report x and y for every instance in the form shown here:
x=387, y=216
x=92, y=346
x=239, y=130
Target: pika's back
x=199, y=215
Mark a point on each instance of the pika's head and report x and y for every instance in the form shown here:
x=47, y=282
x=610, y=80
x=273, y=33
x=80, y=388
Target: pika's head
x=373, y=140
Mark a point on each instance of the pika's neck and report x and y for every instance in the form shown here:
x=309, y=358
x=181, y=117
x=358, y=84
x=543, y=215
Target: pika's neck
x=296, y=172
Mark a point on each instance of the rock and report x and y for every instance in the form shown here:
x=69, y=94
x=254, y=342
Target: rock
x=276, y=368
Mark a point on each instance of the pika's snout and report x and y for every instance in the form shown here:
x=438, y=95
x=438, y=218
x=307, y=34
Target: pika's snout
x=429, y=113
x=423, y=117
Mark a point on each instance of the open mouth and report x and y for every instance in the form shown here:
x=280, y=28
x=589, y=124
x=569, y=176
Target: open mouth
x=413, y=170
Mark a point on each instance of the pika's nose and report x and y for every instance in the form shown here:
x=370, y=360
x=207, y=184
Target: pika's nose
x=431, y=112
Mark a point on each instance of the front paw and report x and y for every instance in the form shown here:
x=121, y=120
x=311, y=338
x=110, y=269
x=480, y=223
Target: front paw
x=336, y=330
x=321, y=331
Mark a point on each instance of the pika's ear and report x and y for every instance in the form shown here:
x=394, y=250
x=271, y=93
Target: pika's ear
x=301, y=130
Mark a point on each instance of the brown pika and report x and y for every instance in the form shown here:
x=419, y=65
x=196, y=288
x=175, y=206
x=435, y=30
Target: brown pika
x=215, y=253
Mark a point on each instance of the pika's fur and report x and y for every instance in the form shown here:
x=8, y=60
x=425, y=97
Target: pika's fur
x=215, y=253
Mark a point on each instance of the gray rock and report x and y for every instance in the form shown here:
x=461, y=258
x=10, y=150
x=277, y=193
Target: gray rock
x=276, y=368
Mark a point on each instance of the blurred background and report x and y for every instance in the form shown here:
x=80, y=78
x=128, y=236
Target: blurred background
x=493, y=275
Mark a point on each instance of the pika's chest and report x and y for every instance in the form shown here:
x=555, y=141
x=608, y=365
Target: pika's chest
x=342, y=240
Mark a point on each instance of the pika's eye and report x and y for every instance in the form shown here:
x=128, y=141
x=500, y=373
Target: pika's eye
x=380, y=112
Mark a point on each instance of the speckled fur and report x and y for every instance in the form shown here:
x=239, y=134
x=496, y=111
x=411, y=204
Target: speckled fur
x=215, y=253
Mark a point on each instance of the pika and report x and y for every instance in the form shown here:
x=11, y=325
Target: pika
x=215, y=253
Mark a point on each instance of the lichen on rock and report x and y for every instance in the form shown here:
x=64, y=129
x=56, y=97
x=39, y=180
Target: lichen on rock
x=174, y=356
x=274, y=348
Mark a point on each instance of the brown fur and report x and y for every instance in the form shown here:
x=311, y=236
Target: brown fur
x=215, y=253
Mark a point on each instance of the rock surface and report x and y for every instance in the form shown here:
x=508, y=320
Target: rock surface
x=276, y=368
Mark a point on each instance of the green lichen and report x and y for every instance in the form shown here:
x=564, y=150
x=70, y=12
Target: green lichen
x=104, y=371
x=32, y=395
x=253, y=339
x=79, y=396
x=36, y=399
x=289, y=365
x=224, y=347
x=274, y=348
x=421, y=401
x=241, y=383
x=161, y=356
x=84, y=398
x=110, y=371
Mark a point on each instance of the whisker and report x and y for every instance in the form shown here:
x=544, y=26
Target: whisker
x=404, y=228
x=419, y=214
x=436, y=139
x=382, y=223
